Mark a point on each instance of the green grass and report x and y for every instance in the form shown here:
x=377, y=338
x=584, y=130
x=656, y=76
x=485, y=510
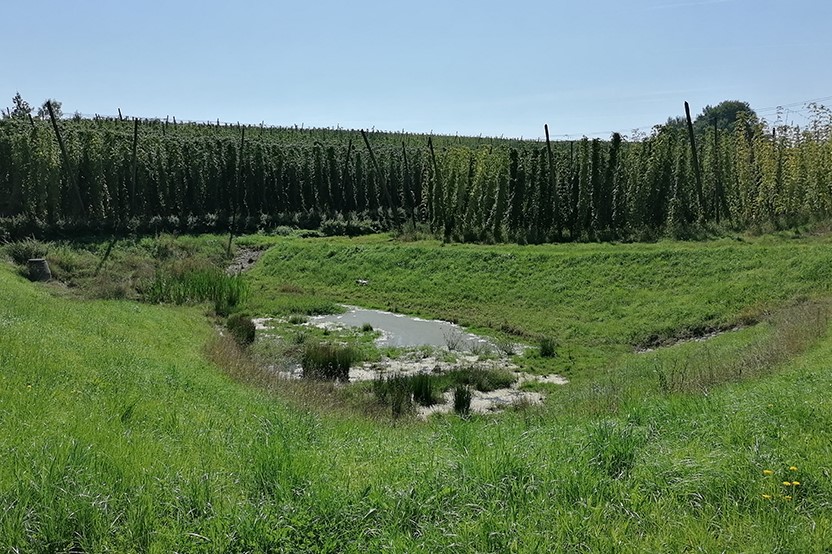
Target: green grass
x=599, y=300
x=117, y=434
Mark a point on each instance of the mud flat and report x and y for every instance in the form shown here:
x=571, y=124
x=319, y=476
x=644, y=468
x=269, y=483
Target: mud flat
x=431, y=347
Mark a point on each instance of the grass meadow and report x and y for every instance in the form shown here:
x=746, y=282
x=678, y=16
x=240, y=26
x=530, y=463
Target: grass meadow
x=127, y=426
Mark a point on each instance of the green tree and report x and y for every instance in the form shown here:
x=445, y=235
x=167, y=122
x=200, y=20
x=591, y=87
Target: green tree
x=725, y=115
x=21, y=107
x=43, y=111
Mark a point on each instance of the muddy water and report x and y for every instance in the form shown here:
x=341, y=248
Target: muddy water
x=404, y=331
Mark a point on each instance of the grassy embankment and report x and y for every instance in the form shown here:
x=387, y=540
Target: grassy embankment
x=118, y=434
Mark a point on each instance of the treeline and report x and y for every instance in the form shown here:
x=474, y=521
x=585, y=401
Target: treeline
x=114, y=175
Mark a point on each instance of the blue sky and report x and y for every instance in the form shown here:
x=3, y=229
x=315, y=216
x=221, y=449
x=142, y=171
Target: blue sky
x=467, y=67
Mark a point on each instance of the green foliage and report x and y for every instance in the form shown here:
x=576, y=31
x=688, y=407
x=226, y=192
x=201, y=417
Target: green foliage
x=203, y=178
x=122, y=436
x=242, y=328
x=483, y=380
x=548, y=347
x=423, y=391
x=328, y=362
x=613, y=449
x=194, y=286
x=23, y=250
x=598, y=300
x=462, y=399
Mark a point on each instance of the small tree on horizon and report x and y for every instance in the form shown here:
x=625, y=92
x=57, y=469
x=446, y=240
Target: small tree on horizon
x=43, y=111
x=21, y=108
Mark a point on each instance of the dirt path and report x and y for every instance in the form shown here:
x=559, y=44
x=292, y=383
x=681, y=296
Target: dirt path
x=244, y=259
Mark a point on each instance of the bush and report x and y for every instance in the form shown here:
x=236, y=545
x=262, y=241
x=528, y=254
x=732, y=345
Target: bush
x=328, y=362
x=348, y=227
x=367, y=328
x=22, y=251
x=462, y=399
x=241, y=328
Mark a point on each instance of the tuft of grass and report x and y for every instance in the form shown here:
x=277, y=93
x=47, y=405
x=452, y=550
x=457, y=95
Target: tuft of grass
x=548, y=347
x=506, y=345
x=613, y=448
x=462, y=399
x=192, y=287
x=401, y=395
x=367, y=328
x=297, y=319
x=423, y=389
x=242, y=328
x=483, y=380
x=453, y=340
x=327, y=362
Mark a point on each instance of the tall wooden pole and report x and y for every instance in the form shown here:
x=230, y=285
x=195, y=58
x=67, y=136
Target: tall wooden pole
x=69, y=175
x=235, y=204
x=553, y=181
x=696, y=171
x=384, y=185
x=134, y=166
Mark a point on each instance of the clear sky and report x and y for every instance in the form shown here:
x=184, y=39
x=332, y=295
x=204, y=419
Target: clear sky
x=468, y=67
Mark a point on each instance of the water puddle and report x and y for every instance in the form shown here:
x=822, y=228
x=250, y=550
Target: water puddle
x=429, y=346
x=402, y=331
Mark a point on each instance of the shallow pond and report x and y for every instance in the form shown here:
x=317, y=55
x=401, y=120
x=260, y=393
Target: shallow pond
x=404, y=331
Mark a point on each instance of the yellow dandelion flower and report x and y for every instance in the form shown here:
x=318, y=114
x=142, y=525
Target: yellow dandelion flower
x=767, y=496
x=795, y=483
x=787, y=497
x=787, y=483
x=768, y=472
x=792, y=468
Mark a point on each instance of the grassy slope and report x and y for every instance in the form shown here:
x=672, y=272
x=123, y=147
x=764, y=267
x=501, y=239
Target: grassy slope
x=128, y=440
x=596, y=300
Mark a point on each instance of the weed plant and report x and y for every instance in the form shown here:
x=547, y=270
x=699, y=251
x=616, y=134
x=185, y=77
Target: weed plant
x=202, y=285
x=297, y=319
x=462, y=399
x=423, y=389
x=327, y=362
x=24, y=250
x=548, y=347
x=242, y=328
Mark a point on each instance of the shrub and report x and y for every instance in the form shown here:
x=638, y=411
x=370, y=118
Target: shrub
x=327, y=362
x=367, y=328
x=23, y=250
x=462, y=399
x=453, y=340
x=547, y=347
x=242, y=328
